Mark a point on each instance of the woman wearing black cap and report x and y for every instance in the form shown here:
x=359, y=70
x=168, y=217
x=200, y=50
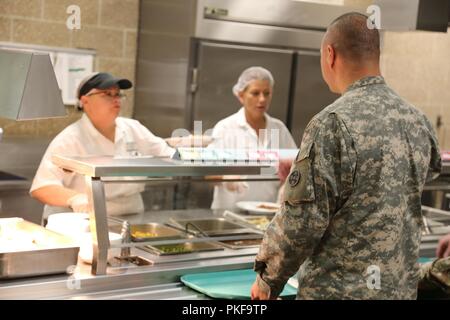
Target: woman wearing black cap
x=100, y=131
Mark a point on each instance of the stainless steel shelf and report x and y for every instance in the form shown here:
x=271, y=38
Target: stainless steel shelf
x=108, y=166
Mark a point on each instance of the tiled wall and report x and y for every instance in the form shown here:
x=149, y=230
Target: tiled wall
x=417, y=65
x=107, y=26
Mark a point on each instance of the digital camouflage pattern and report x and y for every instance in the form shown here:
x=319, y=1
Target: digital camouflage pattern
x=436, y=275
x=362, y=165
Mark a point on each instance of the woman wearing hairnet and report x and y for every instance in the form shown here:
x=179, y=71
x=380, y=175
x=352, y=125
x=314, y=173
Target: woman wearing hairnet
x=250, y=128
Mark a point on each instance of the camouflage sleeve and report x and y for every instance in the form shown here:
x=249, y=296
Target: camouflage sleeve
x=435, y=167
x=320, y=181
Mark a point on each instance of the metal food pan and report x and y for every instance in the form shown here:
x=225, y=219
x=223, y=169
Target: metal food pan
x=241, y=244
x=154, y=231
x=27, y=249
x=182, y=248
x=213, y=226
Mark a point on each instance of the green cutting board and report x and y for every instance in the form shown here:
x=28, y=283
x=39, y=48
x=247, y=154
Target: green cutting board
x=235, y=284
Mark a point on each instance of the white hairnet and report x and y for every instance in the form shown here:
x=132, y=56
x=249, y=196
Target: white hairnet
x=250, y=74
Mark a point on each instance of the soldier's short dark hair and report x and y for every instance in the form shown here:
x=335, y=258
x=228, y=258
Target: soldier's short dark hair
x=351, y=37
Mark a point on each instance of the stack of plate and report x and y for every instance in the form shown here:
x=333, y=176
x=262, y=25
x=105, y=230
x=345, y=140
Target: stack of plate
x=71, y=224
x=76, y=226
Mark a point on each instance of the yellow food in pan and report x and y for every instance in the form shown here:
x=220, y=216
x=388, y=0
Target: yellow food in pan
x=144, y=234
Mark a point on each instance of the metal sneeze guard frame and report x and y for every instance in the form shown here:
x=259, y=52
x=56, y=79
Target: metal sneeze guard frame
x=94, y=168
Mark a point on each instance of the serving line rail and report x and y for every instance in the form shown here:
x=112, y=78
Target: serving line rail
x=160, y=281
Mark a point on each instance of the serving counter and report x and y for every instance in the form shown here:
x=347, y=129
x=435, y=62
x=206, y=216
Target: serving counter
x=156, y=276
x=107, y=169
x=160, y=280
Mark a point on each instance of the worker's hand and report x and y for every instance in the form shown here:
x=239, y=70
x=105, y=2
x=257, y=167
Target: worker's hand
x=79, y=203
x=284, y=167
x=257, y=294
x=443, y=249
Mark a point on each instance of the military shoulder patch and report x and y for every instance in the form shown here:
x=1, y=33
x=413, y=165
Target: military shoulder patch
x=294, y=178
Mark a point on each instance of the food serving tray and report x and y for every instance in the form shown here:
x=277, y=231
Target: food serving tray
x=154, y=231
x=213, y=227
x=27, y=249
x=182, y=248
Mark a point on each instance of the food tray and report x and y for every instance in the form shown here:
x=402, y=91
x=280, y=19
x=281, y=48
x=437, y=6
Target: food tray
x=241, y=244
x=234, y=284
x=27, y=249
x=182, y=248
x=154, y=231
x=214, y=227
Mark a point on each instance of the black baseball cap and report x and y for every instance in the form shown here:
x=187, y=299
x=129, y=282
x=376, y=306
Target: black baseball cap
x=101, y=80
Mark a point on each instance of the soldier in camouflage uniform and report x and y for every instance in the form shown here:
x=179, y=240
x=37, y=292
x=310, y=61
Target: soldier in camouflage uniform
x=351, y=215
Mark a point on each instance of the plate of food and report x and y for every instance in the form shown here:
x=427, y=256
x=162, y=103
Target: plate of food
x=258, y=207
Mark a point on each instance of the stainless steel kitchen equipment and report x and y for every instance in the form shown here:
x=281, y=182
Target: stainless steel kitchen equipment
x=28, y=87
x=126, y=238
x=257, y=222
x=27, y=249
x=160, y=280
x=241, y=244
x=28, y=90
x=206, y=45
x=186, y=68
x=283, y=37
x=97, y=169
x=182, y=248
x=154, y=231
x=437, y=226
x=215, y=227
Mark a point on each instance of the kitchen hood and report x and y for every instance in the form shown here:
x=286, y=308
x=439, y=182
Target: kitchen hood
x=28, y=86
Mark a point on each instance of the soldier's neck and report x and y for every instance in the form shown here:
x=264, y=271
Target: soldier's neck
x=351, y=77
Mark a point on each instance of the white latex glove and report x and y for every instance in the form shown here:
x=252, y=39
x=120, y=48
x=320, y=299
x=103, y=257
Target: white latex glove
x=79, y=203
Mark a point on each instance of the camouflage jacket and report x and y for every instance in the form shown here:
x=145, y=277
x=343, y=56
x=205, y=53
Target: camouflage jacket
x=351, y=215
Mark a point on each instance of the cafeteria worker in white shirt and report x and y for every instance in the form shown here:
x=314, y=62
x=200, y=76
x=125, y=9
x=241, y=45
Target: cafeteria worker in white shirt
x=250, y=128
x=100, y=131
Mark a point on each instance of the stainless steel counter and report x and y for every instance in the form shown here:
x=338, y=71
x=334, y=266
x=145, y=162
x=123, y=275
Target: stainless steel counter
x=155, y=282
x=158, y=281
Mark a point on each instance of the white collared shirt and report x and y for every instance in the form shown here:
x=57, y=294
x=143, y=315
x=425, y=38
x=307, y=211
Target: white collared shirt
x=83, y=139
x=234, y=132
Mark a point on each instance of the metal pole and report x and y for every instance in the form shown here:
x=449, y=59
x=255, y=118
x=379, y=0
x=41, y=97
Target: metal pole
x=99, y=224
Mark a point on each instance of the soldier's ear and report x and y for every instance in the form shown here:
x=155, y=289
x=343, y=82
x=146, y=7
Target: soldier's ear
x=330, y=55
